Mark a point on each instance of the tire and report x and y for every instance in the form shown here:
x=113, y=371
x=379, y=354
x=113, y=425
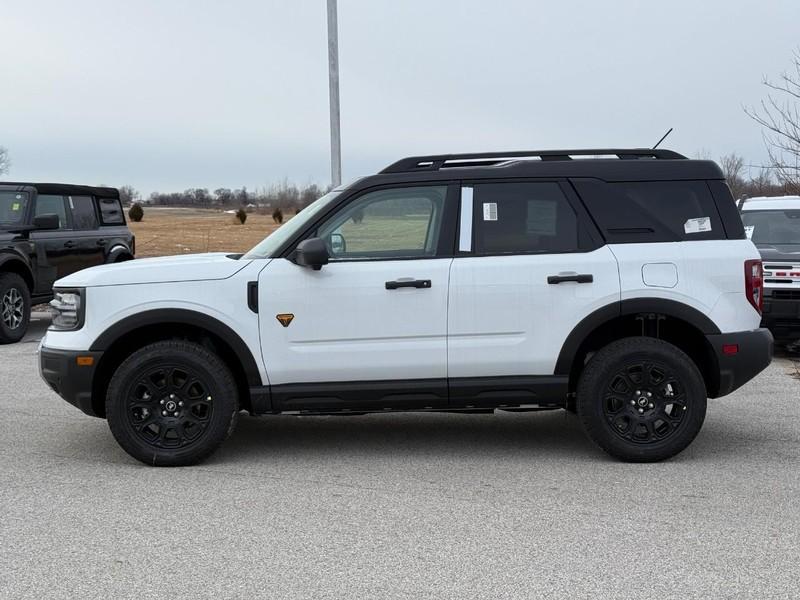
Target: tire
x=186, y=381
x=15, y=308
x=641, y=399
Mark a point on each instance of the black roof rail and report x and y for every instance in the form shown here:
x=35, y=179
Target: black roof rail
x=487, y=159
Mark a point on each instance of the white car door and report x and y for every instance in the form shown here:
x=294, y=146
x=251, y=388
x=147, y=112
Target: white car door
x=369, y=328
x=526, y=275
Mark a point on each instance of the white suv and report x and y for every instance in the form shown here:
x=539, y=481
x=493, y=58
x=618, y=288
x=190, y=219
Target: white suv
x=618, y=284
x=773, y=224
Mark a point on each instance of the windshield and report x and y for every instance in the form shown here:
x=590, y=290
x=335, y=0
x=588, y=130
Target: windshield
x=12, y=207
x=270, y=244
x=772, y=227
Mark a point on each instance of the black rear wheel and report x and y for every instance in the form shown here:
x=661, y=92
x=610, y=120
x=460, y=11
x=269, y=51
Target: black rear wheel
x=15, y=308
x=171, y=403
x=641, y=399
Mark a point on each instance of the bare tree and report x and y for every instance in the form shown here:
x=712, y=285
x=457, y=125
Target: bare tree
x=129, y=195
x=733, y=168
x=5, y=162
x=779, y=115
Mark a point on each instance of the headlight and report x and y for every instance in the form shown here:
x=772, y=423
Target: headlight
x=69, y=309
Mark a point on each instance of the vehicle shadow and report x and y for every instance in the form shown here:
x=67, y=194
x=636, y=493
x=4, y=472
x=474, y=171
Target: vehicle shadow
x=40, y=321
x=556, y=433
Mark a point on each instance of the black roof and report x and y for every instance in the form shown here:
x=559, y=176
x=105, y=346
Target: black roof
x=65, y=189
x=617, y=164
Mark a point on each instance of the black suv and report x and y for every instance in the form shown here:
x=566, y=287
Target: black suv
x=47, y=231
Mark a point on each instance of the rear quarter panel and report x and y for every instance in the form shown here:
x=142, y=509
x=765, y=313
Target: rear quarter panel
x=710, y=277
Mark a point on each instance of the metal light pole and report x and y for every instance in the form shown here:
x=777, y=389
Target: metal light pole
x=333, y=90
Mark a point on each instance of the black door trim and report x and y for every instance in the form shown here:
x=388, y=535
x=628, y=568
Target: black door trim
x=419, y=394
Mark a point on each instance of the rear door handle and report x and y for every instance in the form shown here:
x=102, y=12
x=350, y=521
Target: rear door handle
x=69, y=244
x=582, y=278
x=408, y=283
x=101, y=242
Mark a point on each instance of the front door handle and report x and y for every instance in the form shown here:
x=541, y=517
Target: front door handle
x=69, y=244
x=582, y=278
x=406, y=283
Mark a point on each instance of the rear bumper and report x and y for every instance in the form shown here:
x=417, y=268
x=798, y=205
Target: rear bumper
x=782, y=314
x=60, y=369
x=753, y=355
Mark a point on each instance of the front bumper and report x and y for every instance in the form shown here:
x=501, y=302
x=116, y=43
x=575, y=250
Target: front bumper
x=68, y=379
x=782, y=313
x=753, y=355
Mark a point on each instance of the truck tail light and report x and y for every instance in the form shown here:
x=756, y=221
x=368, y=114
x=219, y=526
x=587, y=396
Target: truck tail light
x=754, y=283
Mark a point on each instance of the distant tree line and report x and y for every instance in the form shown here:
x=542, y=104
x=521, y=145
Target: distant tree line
x=747, y=181
x=286, y=196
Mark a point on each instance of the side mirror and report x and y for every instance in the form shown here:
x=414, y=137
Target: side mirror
x=47, y=221
x=311, y=253
x=338, y=244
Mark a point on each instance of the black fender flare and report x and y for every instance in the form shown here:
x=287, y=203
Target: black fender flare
x=180, y=316
x=116, y=251
x=12, y=257
x=632, y=306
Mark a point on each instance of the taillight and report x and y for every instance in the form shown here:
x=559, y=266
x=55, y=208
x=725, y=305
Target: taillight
x=754, y=283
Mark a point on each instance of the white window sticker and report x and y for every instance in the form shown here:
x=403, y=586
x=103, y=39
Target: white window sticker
x=698, y=225
x=748, y=231
x=490, y=211
x=71, y=205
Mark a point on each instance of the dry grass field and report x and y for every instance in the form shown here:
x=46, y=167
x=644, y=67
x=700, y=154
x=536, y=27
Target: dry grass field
x=165, y=231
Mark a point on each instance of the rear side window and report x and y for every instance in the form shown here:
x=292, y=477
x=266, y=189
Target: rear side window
x=652, y=211
x=520, y=218
x=111, y=211
x=52, y=205
x=83, y=213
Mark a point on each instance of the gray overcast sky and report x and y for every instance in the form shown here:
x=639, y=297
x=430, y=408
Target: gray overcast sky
x=172, y=94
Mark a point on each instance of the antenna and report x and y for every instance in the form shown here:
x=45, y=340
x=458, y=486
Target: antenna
x=663, y=138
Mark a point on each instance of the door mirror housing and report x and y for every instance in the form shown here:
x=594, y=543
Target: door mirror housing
x=312, y=253
x=46, y=221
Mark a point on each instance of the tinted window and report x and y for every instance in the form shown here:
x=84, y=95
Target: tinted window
x=52, y=205
x=772, y=227
x=111, y=211
x=652, y=211
x=83, y=214
x=523, y=217
x=396, y=223
x=12, y=207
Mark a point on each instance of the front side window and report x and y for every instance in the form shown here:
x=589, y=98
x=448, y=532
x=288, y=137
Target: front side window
x=392, y=223
x=12, y=207
x=83, y=213
x=52, y=205
x=522, y=218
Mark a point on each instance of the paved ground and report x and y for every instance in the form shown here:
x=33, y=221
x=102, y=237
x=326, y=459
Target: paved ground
x=408, y=506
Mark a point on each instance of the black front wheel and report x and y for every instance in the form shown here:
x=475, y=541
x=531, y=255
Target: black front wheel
x=172, y=403
x=641, y=399
x=15, y=308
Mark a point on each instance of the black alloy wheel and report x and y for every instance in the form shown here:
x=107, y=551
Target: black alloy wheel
x=641, y=399
x=172, y=403
x=15, y=308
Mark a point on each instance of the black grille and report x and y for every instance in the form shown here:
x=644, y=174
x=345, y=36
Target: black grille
x=786, y=294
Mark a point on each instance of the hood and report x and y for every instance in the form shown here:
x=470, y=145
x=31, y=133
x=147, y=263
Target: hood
x=780, y=252
x=191, y=267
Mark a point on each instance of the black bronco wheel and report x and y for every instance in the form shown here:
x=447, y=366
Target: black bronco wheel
x=172, y=403
x=641, y=399
x=15, y=308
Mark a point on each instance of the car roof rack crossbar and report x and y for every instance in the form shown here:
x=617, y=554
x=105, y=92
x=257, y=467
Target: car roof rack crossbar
x=488, y=159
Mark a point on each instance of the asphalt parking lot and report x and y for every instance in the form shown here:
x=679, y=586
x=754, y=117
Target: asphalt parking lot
x=401, y=506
